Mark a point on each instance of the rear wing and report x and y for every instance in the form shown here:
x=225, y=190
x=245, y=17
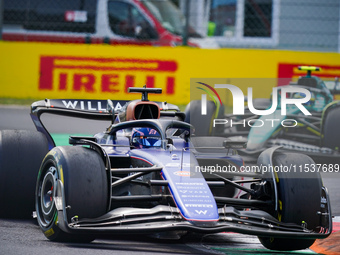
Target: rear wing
x=105, y=110
x=91, y=109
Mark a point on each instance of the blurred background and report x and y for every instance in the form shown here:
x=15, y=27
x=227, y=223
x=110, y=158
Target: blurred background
x=99, y=48
x=311, y=25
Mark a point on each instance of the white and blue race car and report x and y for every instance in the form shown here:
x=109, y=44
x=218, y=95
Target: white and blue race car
x=148, y=173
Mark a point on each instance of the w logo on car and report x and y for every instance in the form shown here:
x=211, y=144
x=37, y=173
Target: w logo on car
x=201, y=212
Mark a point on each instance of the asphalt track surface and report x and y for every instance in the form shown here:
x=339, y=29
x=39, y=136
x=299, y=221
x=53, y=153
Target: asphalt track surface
x=25, y=236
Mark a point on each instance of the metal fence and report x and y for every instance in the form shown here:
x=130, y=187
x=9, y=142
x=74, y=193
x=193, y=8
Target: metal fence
x=311, y=25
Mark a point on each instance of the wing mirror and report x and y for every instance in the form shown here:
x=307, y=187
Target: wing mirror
x=233, y=144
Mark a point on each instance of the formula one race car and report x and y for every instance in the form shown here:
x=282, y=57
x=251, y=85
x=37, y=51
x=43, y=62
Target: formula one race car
x=315, y=135
x=148, y=173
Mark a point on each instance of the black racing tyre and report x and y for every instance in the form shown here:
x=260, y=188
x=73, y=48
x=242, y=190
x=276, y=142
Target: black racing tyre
x=203, y=124
x=299, y=200
x=331, y=134
x=83, y=174
x=21, y=153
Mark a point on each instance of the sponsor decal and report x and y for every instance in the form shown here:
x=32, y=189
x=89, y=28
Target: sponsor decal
x=199, y=205
x=112, y=75
x=76, y=16
x=193, y=192
x=182, y=173
x=88, y=105
x=201, y=212
x=83, y=105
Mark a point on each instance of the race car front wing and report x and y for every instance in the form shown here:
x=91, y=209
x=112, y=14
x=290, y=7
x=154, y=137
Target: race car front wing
x=162, y=218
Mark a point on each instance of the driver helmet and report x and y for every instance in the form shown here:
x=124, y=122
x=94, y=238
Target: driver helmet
x=145, y=138
x=303, y=95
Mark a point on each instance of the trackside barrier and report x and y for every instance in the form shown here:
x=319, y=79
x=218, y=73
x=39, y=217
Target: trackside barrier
x=44, y=70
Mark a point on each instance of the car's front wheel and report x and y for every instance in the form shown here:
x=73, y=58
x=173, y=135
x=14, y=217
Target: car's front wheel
x=299, y=196
x=82, y=172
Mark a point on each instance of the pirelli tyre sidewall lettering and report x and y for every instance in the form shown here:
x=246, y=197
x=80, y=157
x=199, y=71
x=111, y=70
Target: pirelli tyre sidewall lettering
x=50, y=172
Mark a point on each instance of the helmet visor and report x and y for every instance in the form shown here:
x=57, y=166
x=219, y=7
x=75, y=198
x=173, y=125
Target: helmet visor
x=147, y=142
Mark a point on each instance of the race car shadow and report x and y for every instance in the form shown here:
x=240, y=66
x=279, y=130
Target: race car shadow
x=135, y=243
x=223, y=243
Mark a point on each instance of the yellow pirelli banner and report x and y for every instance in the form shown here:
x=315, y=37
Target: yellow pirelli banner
x=44, y=70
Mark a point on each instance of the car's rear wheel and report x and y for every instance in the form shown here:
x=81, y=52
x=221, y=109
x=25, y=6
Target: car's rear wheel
x=299, y=197
x=203, y=124
x=331, y=134
x=83, y=174
x=262, y=103
x=21, y=153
